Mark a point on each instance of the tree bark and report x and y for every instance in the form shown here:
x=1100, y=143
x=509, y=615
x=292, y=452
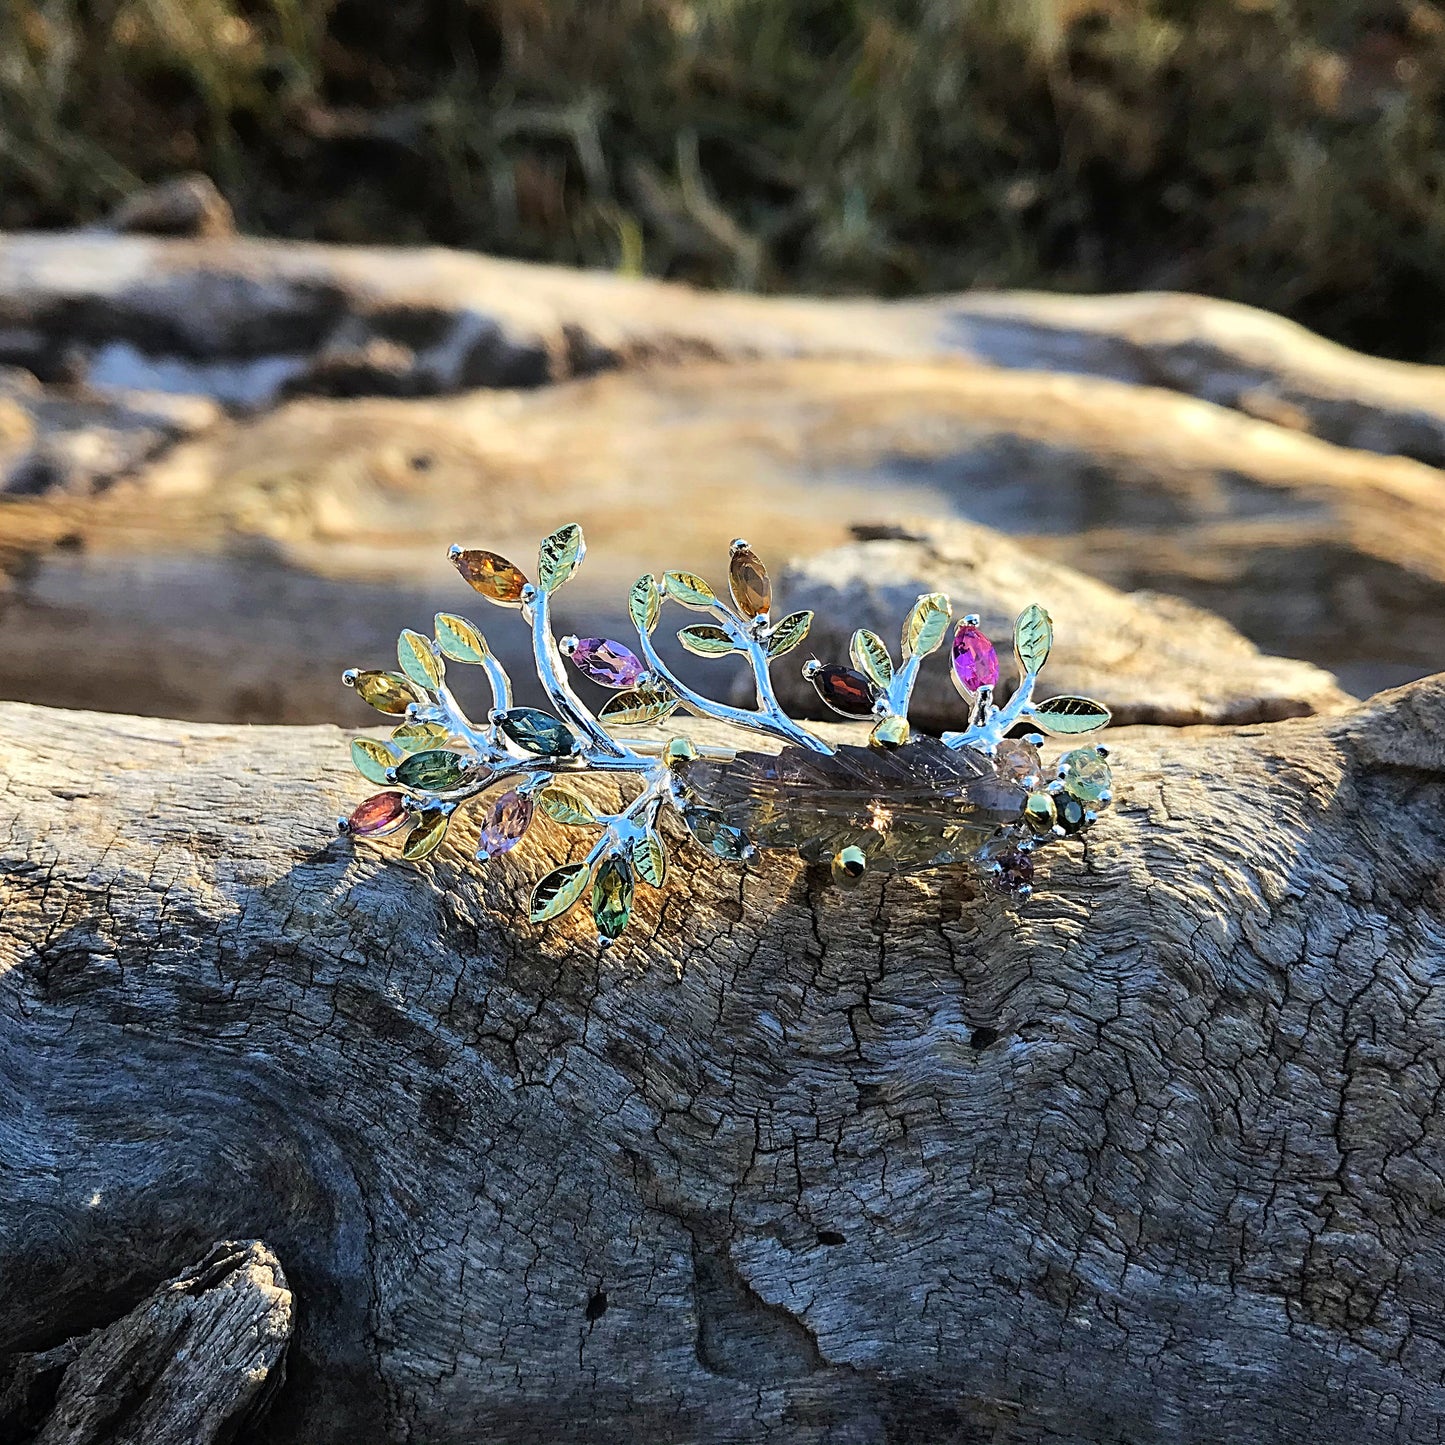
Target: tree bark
x=1157, y=1158
x=191, y=1365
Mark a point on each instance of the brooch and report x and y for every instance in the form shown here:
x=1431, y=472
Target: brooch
x=899, y=802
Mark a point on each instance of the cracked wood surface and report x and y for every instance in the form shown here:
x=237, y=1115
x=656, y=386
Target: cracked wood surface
x=1157, y=1159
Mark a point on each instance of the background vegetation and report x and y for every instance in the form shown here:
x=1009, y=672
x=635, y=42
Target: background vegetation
x=1282, y=152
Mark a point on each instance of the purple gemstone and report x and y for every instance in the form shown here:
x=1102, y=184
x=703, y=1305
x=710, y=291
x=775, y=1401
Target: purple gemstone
x=1015, y=872
x=609, y=663
x=975, y=663
x=506, y=822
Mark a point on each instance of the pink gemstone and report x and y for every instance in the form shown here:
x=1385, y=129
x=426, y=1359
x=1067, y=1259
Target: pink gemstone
x=506, y=822
x=378, y=816
x=609, y=663
x=974, y=660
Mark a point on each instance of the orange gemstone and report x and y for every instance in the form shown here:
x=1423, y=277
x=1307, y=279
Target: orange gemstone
x=493, y=576
x=748, y=580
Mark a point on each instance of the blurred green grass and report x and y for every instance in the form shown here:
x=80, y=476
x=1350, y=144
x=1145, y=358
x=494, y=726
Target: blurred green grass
x=1286, y=153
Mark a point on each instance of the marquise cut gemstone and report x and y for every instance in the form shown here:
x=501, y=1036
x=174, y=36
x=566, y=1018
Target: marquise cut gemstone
x=493, y=576
x=609, y=663
x=377, y=816
x=844, y=690
x=749, y=583
x=975, y=663
x=506, y=822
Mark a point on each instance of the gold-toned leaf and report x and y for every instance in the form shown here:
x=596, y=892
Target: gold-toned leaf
x=563, y=805
x=560, y=556
x=1066, y=716
x=426, y=835
x=558, y=891
x=706, y=641
x=871, y=657
x=459, y=639
x=649, y=859
x=789, y=633
x=418, y=737
x=372, y=759
x=689, y=589
x=645, y=603
x=638, y=705
x=926, y=625
x=1033, y=637
x=749, y=583
x=418, y=661
x=388, y=692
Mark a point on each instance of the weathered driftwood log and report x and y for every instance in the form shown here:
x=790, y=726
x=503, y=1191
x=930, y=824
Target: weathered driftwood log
x=204, y=585
x=249, y=320
x=1158, y=1158
x=192, y=1364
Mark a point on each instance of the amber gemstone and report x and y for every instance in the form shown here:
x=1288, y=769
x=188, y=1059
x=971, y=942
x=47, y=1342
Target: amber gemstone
x=748, y=580
x=493, y=576
x=844, y=690
x=377, y=816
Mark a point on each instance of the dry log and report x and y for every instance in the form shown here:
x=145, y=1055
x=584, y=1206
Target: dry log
x=248, y=320
x=235, y=575
x=1158, y=1158
x=192, y=1364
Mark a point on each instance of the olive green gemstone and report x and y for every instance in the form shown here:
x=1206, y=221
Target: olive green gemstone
x=749, y=583
x=612, y=897
x=1040, y=813
x=890, y=732
x=435, y=771
x=1086, y=776
x=535, y=731
x=849, y=866
x=387, y=692
x=1071, y=814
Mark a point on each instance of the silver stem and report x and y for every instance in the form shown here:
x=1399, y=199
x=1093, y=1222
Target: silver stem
x=553, y=678
x=991, y=729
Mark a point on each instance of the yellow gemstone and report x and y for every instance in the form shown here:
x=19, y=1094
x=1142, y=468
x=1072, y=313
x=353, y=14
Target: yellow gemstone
x=748, y=581
x=493, y=576
x=1040, y=813
x=387, y=692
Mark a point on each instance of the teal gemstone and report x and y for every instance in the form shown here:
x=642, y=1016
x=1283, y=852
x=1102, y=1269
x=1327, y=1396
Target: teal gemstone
x=538, y=732
x=435, y=771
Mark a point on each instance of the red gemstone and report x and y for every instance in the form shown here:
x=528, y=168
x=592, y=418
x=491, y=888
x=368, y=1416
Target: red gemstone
x=377, y=816
x=506, y=822
x=975, y=663
x=844, y=690
x=609, y=663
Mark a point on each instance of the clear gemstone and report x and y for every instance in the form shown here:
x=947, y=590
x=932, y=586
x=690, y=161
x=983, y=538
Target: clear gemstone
x=1017, y=761
x=975, y=663
x=1086, y=776
x=506, y=821
x=609, y=663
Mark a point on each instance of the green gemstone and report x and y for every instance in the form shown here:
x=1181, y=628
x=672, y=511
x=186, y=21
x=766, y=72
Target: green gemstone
x=848, y=867
x=388, y=692
x=612, y=897
x=538, y=732
x=1040, y=813
x=1071, y=814
x=435, y=771
x=1086, y=776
